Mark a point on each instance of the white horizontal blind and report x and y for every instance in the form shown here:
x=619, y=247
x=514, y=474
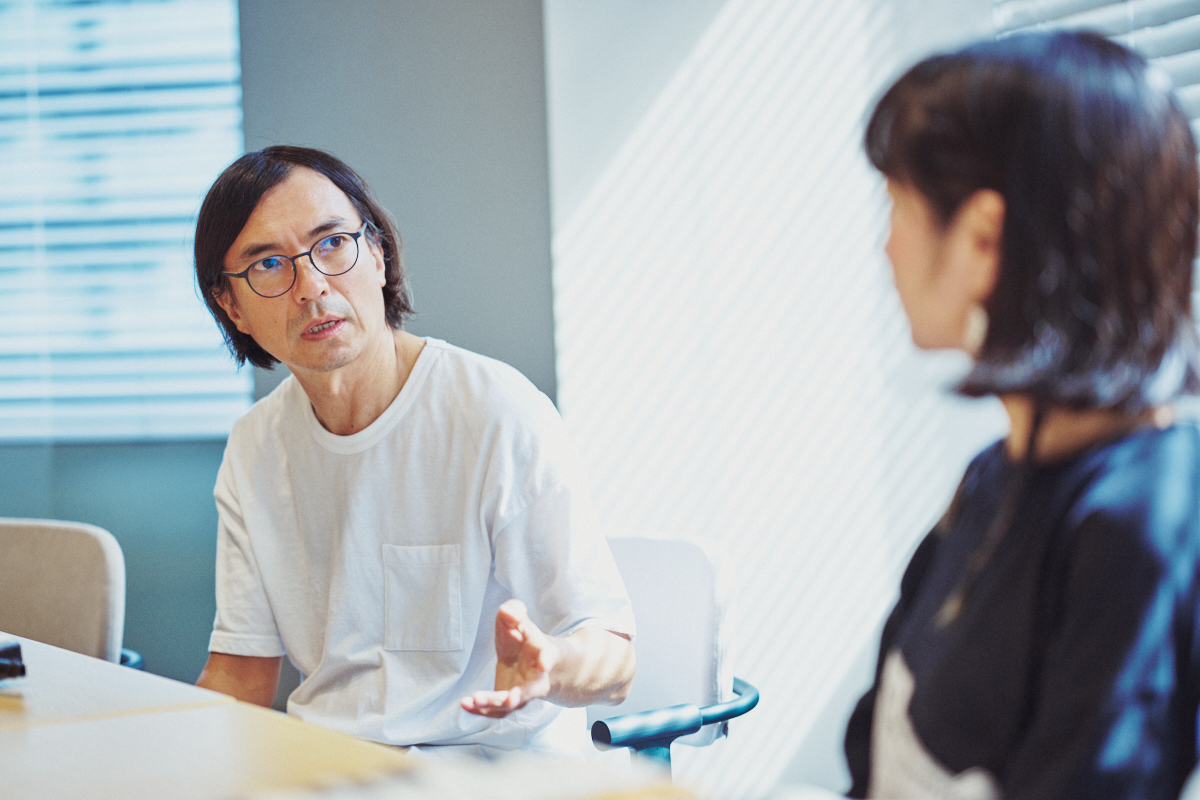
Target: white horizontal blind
x=1165, y=31
x=114, y=119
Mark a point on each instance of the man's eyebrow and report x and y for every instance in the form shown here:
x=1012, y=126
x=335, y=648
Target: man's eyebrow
x=328, y=226
x=270, y=248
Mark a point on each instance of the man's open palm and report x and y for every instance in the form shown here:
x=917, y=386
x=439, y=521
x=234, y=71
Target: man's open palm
x=524, y=658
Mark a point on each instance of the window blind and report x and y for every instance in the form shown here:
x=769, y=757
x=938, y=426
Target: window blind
x=1167, y=32
x=115, y=116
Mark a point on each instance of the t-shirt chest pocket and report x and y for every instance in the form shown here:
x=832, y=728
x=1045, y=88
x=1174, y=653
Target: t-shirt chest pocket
x=422, y=597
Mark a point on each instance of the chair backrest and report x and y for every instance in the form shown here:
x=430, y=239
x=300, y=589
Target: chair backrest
x=683, y=603
x=62, y=583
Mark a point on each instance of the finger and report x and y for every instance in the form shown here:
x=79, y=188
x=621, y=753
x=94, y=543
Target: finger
x=492, y=713
x=541, y=650
x=501, y=698
x=547, y=659
x=513, y=611
x=484, y=699
x=534, y=637
x=468, y=704
x=532, y=633
x=508, y=625
x=494, y=703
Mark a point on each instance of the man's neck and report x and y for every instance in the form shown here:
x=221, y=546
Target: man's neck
x=348, y=399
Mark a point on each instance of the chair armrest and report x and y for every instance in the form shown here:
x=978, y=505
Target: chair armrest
x=132, y=659
x=648, y=727
x=747, y=698
x=661, y=726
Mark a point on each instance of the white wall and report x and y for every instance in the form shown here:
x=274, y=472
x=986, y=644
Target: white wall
x=732, y=358
x=607, y=62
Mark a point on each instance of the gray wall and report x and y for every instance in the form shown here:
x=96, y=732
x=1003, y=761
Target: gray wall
x=441, y=106
x=157, y=500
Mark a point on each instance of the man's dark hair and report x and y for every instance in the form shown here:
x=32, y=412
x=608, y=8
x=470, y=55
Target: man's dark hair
x=233, y=198
x=1096, y=163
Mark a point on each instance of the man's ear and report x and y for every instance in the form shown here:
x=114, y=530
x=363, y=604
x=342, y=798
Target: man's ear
x=228, y=303
x=376, y=250
x=980, y=220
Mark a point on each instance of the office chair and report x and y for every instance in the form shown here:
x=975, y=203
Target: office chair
x=63, y=583
x=684, y=690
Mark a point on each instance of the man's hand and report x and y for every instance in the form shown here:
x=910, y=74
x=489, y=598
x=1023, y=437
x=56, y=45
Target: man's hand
x=524, y=658
x=591, y=666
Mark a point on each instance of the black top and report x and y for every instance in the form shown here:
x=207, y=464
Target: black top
x=1073, y=667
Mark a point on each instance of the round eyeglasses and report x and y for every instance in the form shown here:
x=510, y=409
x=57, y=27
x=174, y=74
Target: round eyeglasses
x=274, y=276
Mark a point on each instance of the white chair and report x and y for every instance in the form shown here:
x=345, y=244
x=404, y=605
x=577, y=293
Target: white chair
x=684, y=690
x=63, y=583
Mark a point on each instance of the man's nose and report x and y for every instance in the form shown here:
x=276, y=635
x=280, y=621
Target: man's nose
x=311, y=283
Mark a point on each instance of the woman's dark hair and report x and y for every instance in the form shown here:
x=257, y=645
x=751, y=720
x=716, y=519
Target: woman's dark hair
x=233, y=198
x=1096, y=163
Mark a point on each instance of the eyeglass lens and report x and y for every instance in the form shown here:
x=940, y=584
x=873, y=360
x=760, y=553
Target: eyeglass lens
x=274, y=275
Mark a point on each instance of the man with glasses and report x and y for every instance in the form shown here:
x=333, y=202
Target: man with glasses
x=403, y=519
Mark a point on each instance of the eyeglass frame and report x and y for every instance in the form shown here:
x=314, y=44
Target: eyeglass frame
x=245, y=274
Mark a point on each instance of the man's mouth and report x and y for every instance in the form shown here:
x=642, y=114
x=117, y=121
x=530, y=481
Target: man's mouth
x=324, y=330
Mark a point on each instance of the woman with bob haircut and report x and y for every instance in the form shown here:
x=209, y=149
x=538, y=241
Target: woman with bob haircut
x=1044, y=220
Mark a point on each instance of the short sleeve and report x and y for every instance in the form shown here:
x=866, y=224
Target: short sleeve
x=244, y=624
x=554, y=557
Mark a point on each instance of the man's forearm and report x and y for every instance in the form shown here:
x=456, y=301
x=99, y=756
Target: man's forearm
x=247, y=678
x=595, y=666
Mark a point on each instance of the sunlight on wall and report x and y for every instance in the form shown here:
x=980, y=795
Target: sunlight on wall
x=734, y=364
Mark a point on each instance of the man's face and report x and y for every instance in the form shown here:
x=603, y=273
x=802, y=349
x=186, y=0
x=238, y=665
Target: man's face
x=323, y=323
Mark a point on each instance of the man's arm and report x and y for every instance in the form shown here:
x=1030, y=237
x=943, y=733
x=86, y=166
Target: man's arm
x=591, y=666
x=251, y=679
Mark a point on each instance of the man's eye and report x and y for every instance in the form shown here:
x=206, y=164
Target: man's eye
x=330, y=243
x=270, y=264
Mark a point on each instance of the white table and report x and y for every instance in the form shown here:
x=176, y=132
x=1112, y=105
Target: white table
x=79, y=727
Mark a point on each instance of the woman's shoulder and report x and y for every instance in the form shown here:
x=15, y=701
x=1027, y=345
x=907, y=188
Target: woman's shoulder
x=1142, y=491
x=1152, y=469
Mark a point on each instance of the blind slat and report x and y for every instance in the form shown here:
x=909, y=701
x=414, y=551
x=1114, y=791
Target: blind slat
x=1016, y=14
x=104, y=337
x=1167, y=32
x=1183, y=68
x=93, y=387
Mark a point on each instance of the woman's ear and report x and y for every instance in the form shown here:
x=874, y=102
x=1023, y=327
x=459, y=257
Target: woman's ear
x=980, y=221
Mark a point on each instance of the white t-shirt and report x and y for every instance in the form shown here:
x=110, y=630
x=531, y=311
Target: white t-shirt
x=376, y=562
